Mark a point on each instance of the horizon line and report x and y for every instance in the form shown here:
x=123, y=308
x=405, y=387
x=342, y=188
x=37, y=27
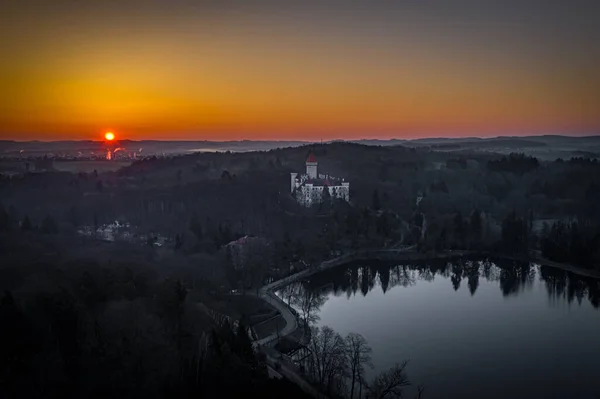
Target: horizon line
x=314, y=141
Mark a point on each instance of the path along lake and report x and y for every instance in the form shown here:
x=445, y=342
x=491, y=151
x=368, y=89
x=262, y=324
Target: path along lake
x=470, y=328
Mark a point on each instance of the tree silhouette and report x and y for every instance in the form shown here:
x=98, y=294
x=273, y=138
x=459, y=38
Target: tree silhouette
x=13, y=219
x=514, y=233
x=3, y=218
x=178, y=241
x=49, y=225
x=391, y=384
x=73, y=216
x=375, y=203
x=96, y=222
x=475, y=228
x=358, y=354
x=460, y=229
x=196, y=227
x=326, y=198
x=328, y=359
x=17, y=347
x=26, y=224
x=244, y=346
x=473, y=278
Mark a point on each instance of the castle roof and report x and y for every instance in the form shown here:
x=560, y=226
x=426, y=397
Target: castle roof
x=311, y=158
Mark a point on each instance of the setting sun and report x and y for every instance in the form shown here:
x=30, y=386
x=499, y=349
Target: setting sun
x=109, y=136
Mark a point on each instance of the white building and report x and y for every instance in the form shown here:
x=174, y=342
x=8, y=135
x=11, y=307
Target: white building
x=309, y=188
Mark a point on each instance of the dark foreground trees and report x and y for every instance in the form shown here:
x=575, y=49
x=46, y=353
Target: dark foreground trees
x=358, y=355
x=572, y=243
x=392, y=383
x=64, y=353
x=114, y=321
x=337, y=366
x=515, y=234
x=94, y=325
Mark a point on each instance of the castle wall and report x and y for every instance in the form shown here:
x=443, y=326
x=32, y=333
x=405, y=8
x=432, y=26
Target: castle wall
x=308, y=194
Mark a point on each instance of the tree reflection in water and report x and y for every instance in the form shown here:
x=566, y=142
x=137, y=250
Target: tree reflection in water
x=513, y=277
x=562, y=285
x=306, y=301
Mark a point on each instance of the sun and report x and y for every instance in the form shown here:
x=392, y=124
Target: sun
x=109, y=136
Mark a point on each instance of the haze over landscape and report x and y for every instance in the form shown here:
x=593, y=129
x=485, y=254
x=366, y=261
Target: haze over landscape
x=213, y=70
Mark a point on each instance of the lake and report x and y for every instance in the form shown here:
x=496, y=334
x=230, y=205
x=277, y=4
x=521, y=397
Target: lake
x=470, y=328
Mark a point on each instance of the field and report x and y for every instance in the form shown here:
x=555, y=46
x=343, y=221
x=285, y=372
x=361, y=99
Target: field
x=90, y=166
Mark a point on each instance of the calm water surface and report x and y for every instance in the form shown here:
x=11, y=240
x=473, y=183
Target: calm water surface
x=471, y=329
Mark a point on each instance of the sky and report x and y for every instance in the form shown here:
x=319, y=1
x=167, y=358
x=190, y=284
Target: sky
x=302, y=70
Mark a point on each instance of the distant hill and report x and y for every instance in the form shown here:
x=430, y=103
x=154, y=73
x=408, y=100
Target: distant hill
x=151, y=147
x=552, y=143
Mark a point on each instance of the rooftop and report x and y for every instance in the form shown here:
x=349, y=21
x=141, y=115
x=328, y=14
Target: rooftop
x=311, y=158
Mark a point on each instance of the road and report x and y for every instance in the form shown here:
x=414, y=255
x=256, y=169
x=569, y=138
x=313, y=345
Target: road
x=291, y=323
x=290, y=320
x=274, y=358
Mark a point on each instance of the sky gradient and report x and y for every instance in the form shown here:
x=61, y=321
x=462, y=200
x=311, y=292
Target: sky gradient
x=223, y=70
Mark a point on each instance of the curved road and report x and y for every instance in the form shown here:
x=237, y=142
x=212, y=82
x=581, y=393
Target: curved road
x=291, y=322
x=274, y=358
x=267, y=293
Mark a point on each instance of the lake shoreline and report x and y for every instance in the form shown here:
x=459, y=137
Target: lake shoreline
x=267, y=293
x=399, y=255
x=412, y=306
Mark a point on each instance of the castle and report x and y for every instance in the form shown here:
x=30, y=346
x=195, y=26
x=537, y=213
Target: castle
x=309, y=188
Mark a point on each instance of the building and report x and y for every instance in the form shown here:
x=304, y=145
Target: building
x=312, y=188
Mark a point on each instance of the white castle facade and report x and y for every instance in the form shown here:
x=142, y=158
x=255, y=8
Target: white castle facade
x=309, y=188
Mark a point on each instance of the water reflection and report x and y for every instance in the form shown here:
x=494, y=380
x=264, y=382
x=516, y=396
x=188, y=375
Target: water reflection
x=468, y=325
x=306, y=301
x=561, y=286
x=512, y=277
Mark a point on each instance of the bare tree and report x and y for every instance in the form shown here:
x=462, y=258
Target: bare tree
x=309, y=301
x=358, y=353
x=328, y=361
x=391, y=383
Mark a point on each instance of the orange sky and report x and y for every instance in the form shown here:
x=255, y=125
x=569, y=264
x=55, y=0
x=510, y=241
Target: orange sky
x=155, y=70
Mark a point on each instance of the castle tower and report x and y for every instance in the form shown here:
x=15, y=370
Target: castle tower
x=311, y=166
